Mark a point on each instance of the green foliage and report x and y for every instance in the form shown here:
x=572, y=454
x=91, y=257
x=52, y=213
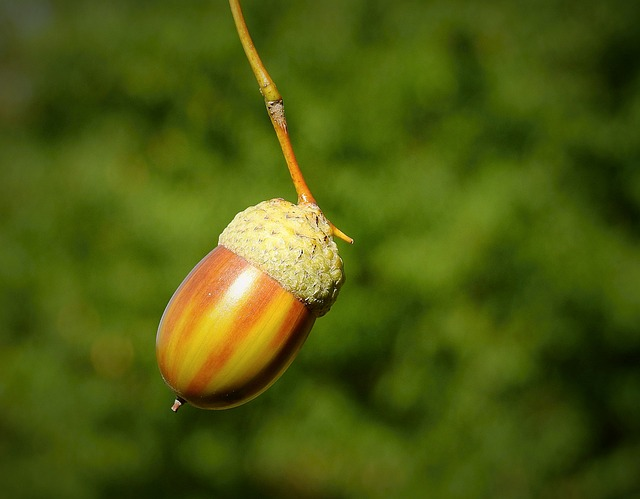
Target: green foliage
x=484, y=156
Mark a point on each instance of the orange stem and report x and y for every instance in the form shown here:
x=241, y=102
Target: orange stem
x=273, y=101
x=275, y=108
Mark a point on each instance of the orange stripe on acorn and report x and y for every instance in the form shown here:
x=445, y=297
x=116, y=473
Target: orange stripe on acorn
x=239, y=318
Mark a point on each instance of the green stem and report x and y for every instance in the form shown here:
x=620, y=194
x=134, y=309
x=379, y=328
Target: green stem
x=275, y=108
x=273, y=101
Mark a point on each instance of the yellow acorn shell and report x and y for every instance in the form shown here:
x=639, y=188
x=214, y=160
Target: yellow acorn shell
x=228, y=332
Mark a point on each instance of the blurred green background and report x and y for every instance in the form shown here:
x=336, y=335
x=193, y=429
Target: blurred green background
x=485, y=156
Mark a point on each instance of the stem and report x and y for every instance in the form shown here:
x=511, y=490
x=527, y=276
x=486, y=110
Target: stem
x=275, y=108
x=273, y=101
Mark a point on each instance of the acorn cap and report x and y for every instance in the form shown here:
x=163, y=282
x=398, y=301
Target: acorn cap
x=291, y=243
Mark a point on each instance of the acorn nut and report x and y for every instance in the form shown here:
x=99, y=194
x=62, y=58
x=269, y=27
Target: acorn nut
x=240, y=317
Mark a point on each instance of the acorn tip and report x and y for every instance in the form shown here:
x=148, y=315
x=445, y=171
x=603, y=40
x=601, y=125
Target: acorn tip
x=177, y=404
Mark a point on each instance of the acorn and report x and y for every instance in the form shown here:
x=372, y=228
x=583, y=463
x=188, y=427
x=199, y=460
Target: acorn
x=239, y=318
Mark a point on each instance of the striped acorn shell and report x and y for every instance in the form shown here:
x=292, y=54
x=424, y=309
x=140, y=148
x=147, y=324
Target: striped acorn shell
x=229, y=332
